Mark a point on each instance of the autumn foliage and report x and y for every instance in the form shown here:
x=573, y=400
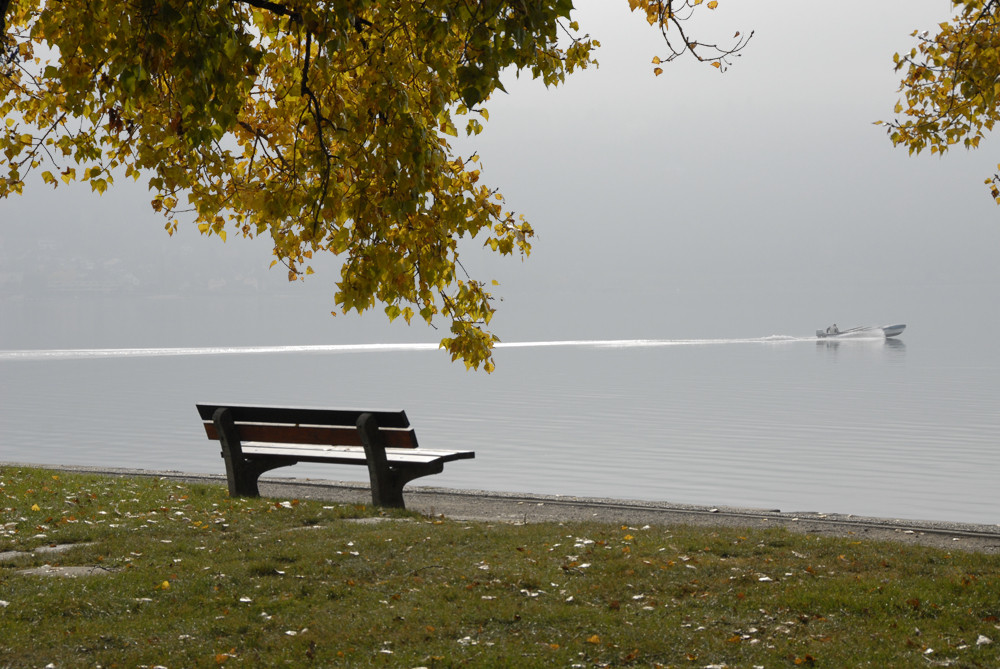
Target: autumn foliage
x=951, y=84
x=325, y=126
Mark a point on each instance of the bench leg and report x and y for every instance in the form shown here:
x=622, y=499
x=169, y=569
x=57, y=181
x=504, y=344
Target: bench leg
x=243, y=481
x=387, y=481
x=400, y=476
x=241, y=472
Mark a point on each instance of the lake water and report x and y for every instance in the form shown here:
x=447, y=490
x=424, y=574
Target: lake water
x=901, y=428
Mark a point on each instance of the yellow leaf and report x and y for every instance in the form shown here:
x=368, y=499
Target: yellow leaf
x=656, y=60
x=35, y=507
x=716, y=64
x=657, y=71
x=594, y=639
x=713, y=4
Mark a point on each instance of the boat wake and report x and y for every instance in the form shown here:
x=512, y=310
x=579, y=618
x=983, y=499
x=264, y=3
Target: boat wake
x=99, y=353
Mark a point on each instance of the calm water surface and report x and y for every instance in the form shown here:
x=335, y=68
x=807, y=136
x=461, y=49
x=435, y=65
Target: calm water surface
x=903, y=429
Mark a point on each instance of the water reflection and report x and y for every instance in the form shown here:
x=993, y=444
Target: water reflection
x=893, y=348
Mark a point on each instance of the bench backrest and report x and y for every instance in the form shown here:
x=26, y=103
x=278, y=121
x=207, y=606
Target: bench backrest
x=294, y=425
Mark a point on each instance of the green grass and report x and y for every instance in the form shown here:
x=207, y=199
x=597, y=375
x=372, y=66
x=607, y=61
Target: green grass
x=195, y=579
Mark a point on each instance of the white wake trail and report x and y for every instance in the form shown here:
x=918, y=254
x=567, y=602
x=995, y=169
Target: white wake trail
x=94, y=353
x=98, y=353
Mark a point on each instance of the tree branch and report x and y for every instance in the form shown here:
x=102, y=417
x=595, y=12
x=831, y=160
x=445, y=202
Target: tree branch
x=317, y=112
x=4, y=6
x=273, y=7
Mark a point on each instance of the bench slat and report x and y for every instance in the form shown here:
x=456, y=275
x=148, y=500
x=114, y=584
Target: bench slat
x=304, y=416
x=350, y=455
x=314, y=434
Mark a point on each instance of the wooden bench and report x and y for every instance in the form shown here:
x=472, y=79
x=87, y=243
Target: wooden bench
x=256, y=439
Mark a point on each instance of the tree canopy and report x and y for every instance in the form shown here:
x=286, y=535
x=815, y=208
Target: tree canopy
x=951, y=84
x=324, y=124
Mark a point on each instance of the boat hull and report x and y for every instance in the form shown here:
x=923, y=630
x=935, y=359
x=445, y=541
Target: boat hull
x=864, y=332
x=893, y=330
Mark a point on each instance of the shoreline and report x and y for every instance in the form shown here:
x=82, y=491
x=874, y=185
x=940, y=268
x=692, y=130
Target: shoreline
x=492, y=506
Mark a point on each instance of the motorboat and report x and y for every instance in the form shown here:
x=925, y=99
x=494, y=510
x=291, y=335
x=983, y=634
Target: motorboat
x=864, y=331
x=893, y=330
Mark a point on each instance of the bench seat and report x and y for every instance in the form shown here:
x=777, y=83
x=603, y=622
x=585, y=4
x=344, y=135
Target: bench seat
x=352, y=455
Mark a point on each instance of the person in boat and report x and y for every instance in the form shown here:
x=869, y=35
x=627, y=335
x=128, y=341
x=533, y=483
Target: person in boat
x=833, y=329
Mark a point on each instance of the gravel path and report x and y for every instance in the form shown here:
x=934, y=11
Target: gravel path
x=526, y=508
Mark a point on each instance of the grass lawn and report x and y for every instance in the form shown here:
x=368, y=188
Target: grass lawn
x=187, y=577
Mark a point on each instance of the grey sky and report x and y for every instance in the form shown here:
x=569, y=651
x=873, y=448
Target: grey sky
x=659, y=201
x=763, y=178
